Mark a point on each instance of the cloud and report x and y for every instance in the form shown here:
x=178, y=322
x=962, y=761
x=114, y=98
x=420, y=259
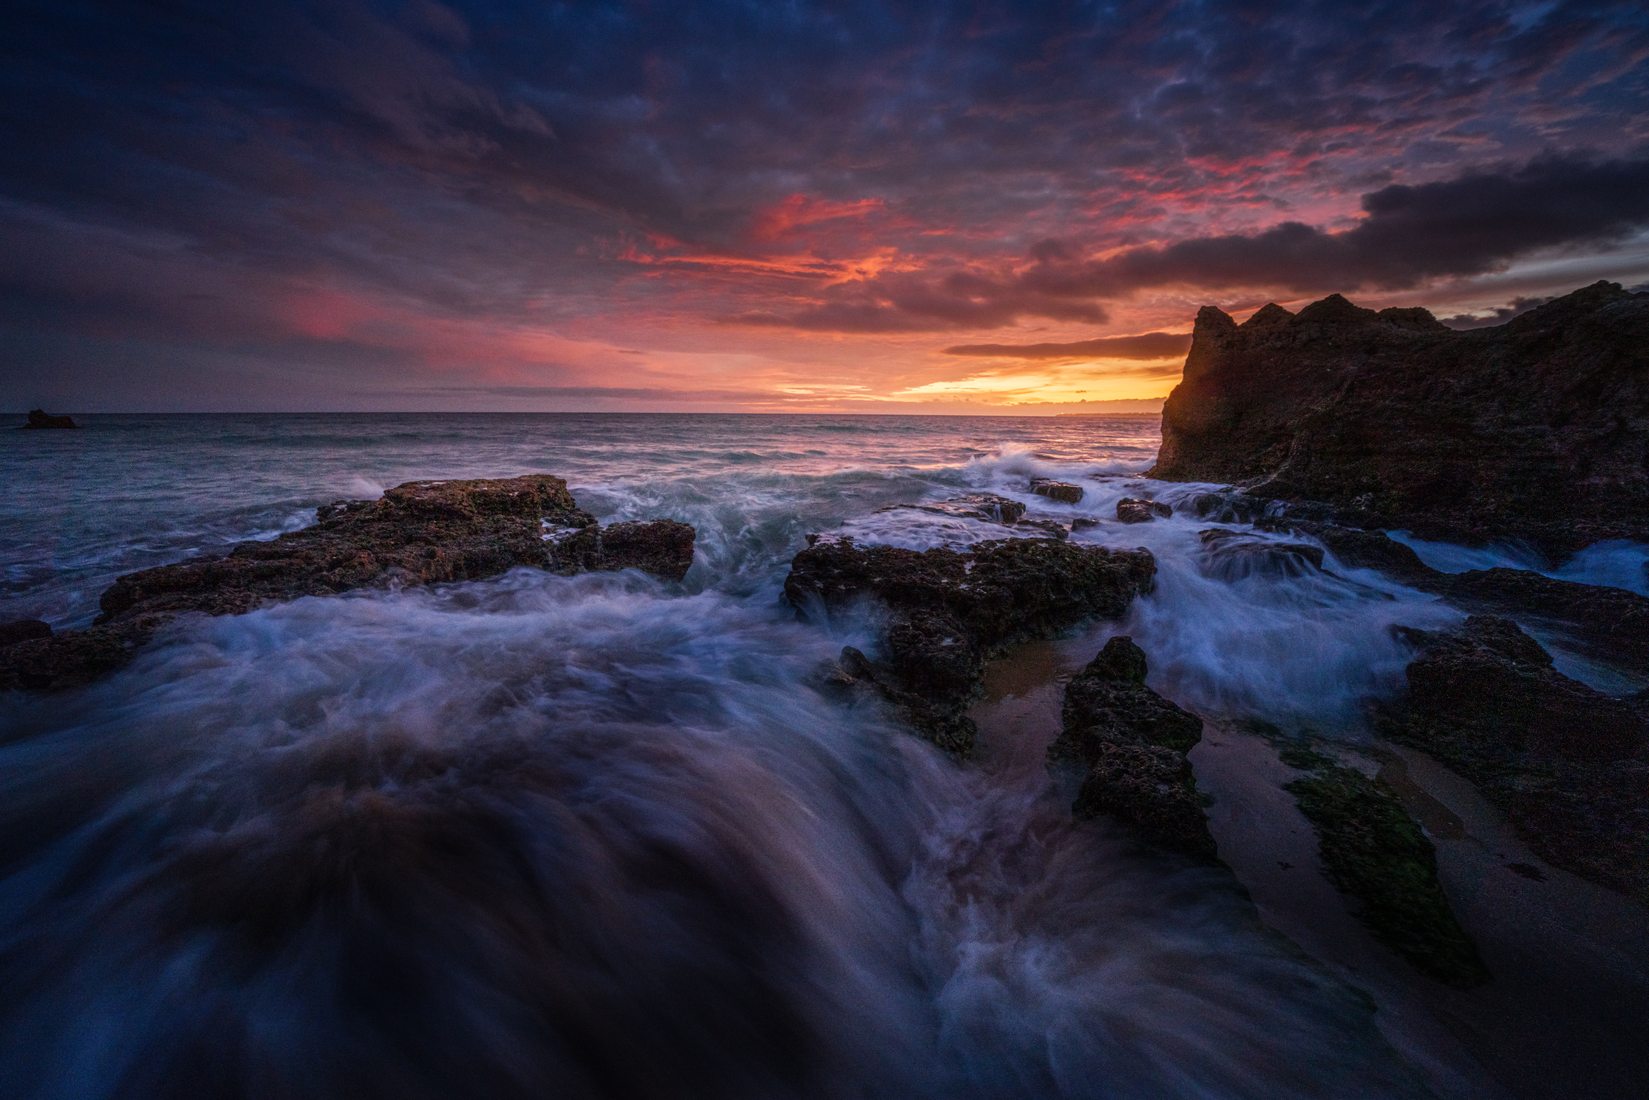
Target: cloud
x=918, y=302
x=642, y=173
x=1498, y=316
x=1148, y=345
x=1473, y=223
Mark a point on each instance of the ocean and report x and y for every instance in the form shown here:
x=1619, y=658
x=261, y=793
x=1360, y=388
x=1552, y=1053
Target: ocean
x=606, y=835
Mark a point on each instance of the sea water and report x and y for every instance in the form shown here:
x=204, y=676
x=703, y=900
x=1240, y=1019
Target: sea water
x=610, y=836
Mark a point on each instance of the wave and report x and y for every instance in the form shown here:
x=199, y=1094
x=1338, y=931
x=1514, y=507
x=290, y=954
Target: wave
x=587, y=836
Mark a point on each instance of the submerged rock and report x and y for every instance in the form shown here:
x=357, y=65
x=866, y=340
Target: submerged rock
x=1229, y=507
x=423, y=532
x=1062, y=491
x=1536, y=428
x=1375, y=852
x=1611, y=624
x=1361, y=549
x=40, y=418
x=1233, y=555
x=981, y=506
x=1568, y=765
x=1132, y=744
x=988, y=508
x=948, y=611
x=1135, y=510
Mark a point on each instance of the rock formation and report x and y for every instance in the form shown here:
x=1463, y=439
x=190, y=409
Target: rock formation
x=948, y=611
x=1537, y=428
x=1062, y=491
x=1568, y=765
x=1131, y=744
x=1135, y=510
x=23, y=630
x=423, y=532
x=40, y=418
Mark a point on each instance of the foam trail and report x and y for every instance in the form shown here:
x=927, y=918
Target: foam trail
x=592, y=837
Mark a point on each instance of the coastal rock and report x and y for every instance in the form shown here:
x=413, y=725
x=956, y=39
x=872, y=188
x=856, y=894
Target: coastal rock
x=1229, y=507
x=40, y=418
x=1132, y=745
x=23, y=630
x=1062, y=491
x=423, y=532
x=988, y=508
x=663, y=547
x=1537, y=428
x=948, y=611
x=1135, y=510
x=1609, y=623
x=1568, y=765
x=1361, y=549
x=1374, y=851
x=981, y=506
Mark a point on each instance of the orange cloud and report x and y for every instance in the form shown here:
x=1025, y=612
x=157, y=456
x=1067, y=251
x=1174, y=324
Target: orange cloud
x=796, y=211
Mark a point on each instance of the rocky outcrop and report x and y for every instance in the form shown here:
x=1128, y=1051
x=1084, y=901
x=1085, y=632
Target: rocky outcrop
x=1131, y=745
x=1135, y=510
x=1537, y=428
x=1568, y=765
x=1373, y=851
x=40, y=418
x=986, y=507
x=23, y=630
x=1361, y=549
x=948, y=611
x=423, y=532
x=1609, y=623
x=1062, y=491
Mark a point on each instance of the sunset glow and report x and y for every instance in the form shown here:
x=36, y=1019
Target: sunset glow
x=742, y=207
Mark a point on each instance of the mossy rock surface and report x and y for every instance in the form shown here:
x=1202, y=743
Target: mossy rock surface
x=1374, y=851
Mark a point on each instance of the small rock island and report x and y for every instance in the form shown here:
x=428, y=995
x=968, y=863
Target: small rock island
x=40, y=418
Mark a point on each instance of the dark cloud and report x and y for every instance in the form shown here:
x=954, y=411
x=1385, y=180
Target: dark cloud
x=905, y=303
x=185, y=173
x=1467, y=225
x=1148, y=345
x=1498, y=316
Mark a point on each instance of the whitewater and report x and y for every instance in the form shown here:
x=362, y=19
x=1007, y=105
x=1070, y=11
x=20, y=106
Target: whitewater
x=607, y=835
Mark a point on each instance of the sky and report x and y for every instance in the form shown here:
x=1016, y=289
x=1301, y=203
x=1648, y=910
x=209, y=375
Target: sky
x=776, y=206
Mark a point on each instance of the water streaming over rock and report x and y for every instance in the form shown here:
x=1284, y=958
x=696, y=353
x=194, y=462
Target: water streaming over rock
x=609, y=836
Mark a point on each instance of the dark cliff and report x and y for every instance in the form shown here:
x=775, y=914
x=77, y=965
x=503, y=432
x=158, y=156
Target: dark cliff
x=1536, y=428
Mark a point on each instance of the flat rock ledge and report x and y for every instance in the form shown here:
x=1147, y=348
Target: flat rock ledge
x=946, y=612
x=1132, y=746
x=423, y=532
